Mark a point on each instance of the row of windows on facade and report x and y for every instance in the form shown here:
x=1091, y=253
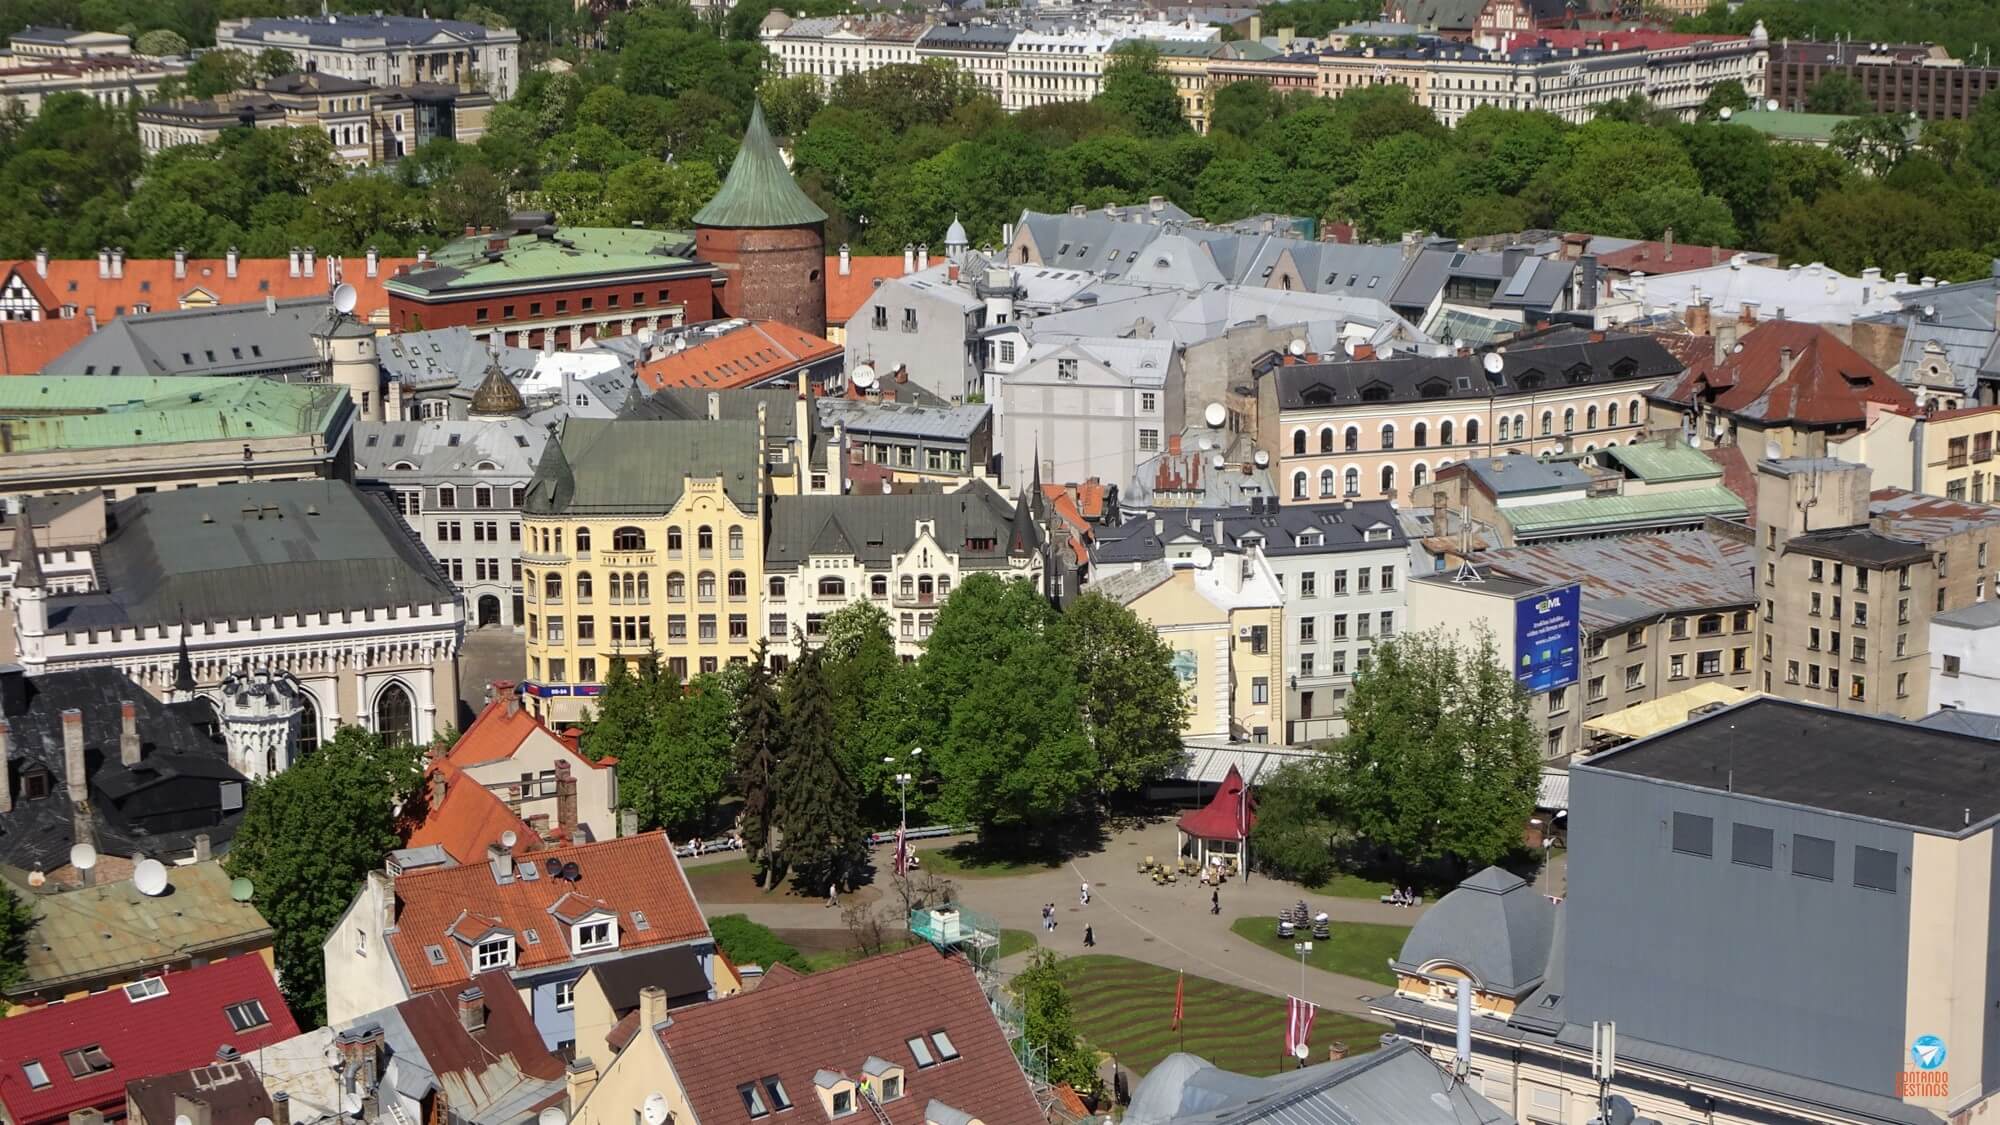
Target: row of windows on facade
x=1507, y=428
x=1812, y=857
x=1365, y=582
x=935, y=460
x=1706, y=663
x=409, y=501
x=1706, y=625
x=557, y=667
x=483, y=314
x=636, y=587
x=483, y=531
x=1385, y=626
x=1829, y=680
x=549, y=540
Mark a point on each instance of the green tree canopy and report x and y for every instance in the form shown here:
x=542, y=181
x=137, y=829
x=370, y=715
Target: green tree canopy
x=754, y=773
x=1134, y=710
x=17, y=921
x=1049, y=1023
x=1135, y=88
x=818, y=809
x=1837, y=92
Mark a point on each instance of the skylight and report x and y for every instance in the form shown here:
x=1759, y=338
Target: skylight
x=149, y=989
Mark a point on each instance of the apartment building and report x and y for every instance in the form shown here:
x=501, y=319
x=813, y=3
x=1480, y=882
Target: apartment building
x=1789, y=385
x=830, y=47
x=1850, y=582
x=386, y=50
x=1457, y=78
x=1920, y=79
x=112, y=80
x=979, y=50
x=658, y=523
x=366, y=124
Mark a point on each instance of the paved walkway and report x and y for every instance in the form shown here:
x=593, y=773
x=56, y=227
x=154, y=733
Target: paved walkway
x=1131, y=917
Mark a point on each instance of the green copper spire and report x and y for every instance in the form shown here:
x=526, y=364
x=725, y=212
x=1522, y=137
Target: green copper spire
x=760, y=191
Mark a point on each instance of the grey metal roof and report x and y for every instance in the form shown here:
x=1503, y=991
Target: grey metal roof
x=1518, y=474
x=1395, y=1085
x=1494, y=926
x=1979, y=724
x=226, y=340
x=965, y=37
x=443, y=449
x=1282, y=531
x=905, y=419
x=690, y=404
x=1639, y=577
x=1979, y=615
x=267, y=549
x=1613, y=359
x=394, y=30
x=873, y=527
x=640, y=466
x=438, y=355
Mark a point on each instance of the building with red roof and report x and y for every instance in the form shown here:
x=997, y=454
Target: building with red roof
x=761, y=353
x=1226, y=819
x=537, y=773
x=1787, y=382
x=543, y=917
x=461, y=816
x=912, y=1033
x=850, y=281
x=78, y=1055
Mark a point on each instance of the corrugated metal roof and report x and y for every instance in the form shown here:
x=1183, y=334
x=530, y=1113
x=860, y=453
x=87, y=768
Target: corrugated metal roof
x=1663, y=462
x=1610, y=511
x=111, y=927
x=1626, y=578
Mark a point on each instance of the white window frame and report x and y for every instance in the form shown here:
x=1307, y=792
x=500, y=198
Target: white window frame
x=581, y=944
x=485, y=958
x=565, y=995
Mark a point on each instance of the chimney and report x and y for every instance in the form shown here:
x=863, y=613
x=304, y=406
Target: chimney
x=229, y=261
x=472, y=1009
x=628, y=822
x=306, y=263
x=846, y=260
x=1174, y=445
x=374, y=261
x=1785, y=360
x=714, y=406
x=423, y=255
x=42, y=262
x=512, y=694
x=281, y=1108
x=1697, y=318
x=6, y=767
x=180, y=262
x=1747, y=313
x=204, y=848
x=581, y=1080
x=90, y=314
x=194, y=1111
x=924, y=256
x=652, y=1006
x=565, y=797
x=292, y=262
x=501, y=861
x=73, y=767
x=909, y=258
x=13, y=689
x=1007, y=233
x=86, y=1117
x=270, y=305
x=104, y=263
x=471, y=230
x=129, y=750
x=1667, y=240
x=360, y=1061
x=118, y=262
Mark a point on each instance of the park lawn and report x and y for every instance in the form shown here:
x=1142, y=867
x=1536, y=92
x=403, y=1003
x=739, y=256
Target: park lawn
x=1344, y=885
x=1126, y=1008
x=1357, y=949
x=1015, y=941
x=969, y=861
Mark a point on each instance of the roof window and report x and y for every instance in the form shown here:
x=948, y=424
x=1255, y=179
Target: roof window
x=246, y=1015
x=38, y=1076
x=151, y=988
x=435, y=953
x=85, y=1061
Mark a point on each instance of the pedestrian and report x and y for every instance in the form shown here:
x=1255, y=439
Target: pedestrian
x=1215, y=902
x=1089, y=939
x=1083, y=894
x=832, y=895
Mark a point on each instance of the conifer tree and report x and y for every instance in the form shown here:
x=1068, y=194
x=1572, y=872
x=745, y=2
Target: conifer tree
x=818, y=811
x=756, y=766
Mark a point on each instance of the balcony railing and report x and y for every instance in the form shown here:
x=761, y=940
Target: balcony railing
x=1299, y=731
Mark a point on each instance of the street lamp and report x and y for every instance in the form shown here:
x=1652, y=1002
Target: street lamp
x=903, y=780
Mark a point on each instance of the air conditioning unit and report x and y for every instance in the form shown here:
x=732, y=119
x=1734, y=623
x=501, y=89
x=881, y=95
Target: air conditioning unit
x=1244, y=633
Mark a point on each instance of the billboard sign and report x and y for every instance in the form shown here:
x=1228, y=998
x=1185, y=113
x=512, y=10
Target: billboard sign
x=1547, y=639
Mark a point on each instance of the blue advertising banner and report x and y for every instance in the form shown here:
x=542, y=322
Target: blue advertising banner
x=1546, y=639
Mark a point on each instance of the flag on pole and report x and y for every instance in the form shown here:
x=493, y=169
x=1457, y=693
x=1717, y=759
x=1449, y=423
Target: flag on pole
x=1298, y=1024
x=1180, y=983
x=902, y=852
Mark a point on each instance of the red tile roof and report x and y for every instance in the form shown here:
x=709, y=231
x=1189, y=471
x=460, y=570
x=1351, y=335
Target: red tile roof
x=134, y=1037
x=1826, y=382
x=27, y=346
x=836, y=1020
x=498, y=732
x=479, y=1069
x=763, y=349
x=634, y=873
x=1077, y=505
x=470, y=817
x=1655, y=258
x=845, y=294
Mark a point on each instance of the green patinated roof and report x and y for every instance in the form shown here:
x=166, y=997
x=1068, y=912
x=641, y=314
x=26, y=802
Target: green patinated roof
x=760, y=191
x=1785, y=125
x=1664, y=462
x=54, y=412
x=627, y=466
x=1611, y=511
x=111, y=927
x=471, y=263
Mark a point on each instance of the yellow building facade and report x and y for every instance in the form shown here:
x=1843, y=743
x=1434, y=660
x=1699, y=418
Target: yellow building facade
x=1224, y=618
x=640, y=537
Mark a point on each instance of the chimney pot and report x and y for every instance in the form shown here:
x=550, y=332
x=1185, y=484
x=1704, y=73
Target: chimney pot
x=129, y=750
x=204, y=849
x=652, y=1006
x=229, y=261
x=281, y=1108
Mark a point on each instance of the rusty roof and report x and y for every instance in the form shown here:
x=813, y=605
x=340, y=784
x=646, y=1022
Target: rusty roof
x=1636, y=577
x=1924, y=518
x=111, y=928
x=1789, y=372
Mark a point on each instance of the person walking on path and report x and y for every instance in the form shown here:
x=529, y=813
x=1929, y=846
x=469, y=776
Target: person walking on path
x=1089, y=939
x=1215, y=902
x=1083, y=894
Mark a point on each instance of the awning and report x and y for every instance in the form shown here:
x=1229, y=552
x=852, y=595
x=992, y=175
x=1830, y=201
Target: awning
x=1647, y=719
x=1230, y=814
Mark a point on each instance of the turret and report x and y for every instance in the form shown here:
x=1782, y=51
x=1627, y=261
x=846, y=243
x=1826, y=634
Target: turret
x=347, y=350
x=31, y=611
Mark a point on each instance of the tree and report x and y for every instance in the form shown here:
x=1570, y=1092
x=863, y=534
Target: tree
x=790, y=103
x=1837, y=92
x=17, y=920
x=1298, y=822
x=1049, y=1025
x=1241, y=108
x=818, y=813
x=160, y=42
x=1729, y=95
x=1134, y=709
x=1875, y=143
x=673, y=779
x=310, y=836
x=755, y=774
x=1440, y=763
x=1136, y=88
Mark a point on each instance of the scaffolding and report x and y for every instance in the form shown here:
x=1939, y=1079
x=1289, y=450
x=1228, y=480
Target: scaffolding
x=954, y=929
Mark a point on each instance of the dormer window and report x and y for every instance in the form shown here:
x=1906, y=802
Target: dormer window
x=843, y=1103
x=882, y=1078
x=836, y=1093
x=494, y=953
x=595, y=935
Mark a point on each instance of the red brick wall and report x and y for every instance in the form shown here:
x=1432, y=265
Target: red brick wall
x=697, y=294
x=771, y=274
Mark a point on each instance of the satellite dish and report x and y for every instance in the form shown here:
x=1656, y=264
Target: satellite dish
x=655, y=1109
x=552, y=1116
x=1773, y=451
x=264, y=1121
x=1930, y=311
x=1207, y=444
x=1297, y=347
x=1219, y=461
x=571, y=872
x=1620, y=1111
x=1300, y=1051
x=1215, y=414
x=183, y=1119
x=1772, y=105
x=1263, y=458
x=344, y=298
x=241, y=889
x=1201, y=557
x=1726, y=113
x=37, y=878
x=864, y=376
x=150, y=876
x=1352, y=348
x=508, y=839
x=83, y=857
x=1493, y=363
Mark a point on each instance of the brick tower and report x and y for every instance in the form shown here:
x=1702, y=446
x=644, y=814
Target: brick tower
x=766, y=237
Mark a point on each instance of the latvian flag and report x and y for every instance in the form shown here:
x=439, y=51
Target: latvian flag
x=902, y=853
x=1298, y=1025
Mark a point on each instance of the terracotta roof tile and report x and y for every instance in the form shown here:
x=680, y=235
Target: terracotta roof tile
x=27, y=346
x=846, y=293
x=129, y=1035
x=1826, y=382
x=151, y=281
x=471, y=817
x=633, y=873
x=497, y=734
x=468, y=1062
x=835, y=1020
x=764, y=349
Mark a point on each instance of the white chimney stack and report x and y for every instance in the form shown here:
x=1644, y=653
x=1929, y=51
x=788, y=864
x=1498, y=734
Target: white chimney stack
x=846, y=260
x=292, y=263
x=104, y=263
x=118, y=262
x=374, y=260
x=42, y=262
x=229, y=261
x=909, y=258
x=924, y=256
x=180, y=262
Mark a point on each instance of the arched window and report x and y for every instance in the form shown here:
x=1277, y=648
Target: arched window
x=1388, y=435
x=1298, y=441
x=739, y=585
x=583, y=587
x=1420, y=476
x=1388, y=480
x=1590, y=418
x=396, y=715
x=878, y=586
x=1611, y=415
x=1353, y=481
x=677, y=586
x=777, y=587
x=735, y=542
x=1634, y=415
x=1420, y=435
x=308, y=725
x=645, y=587
x=831, y=587
x=1325, y=439
x=1520, y=429
x=1444, y=432
x=1299, y=485
x=1548, y=422
x=926, y=587
x=582, y=540
x=1353, y=438
x=704, y=539
x=1472, y=430
x=908, y=586
x=944, y=586
x=628, y=539
x=1569, y=420
x=673, y=540
x=1325, y=483
x=704, y=586
x=552, y=587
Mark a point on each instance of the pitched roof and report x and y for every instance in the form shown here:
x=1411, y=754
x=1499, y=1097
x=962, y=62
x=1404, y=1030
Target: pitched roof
x=1655, y=258
x=611, y=466
x=152, y=282
x=759, y=351
x=109, y=927
x=26, y=346
x=759, y=190
x=498, y=732
x=633, y=874
x=128, y=1033
x=874, y=526
x=232, y=1090
x=473, y=263
x=1494, y=926
x=1396, y=1085
x=1790, y=372
x=59, y=412
x=469, y=818
x=502, y=1072
x=835, y=1021
x=1524, y=371
x=847, y=292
